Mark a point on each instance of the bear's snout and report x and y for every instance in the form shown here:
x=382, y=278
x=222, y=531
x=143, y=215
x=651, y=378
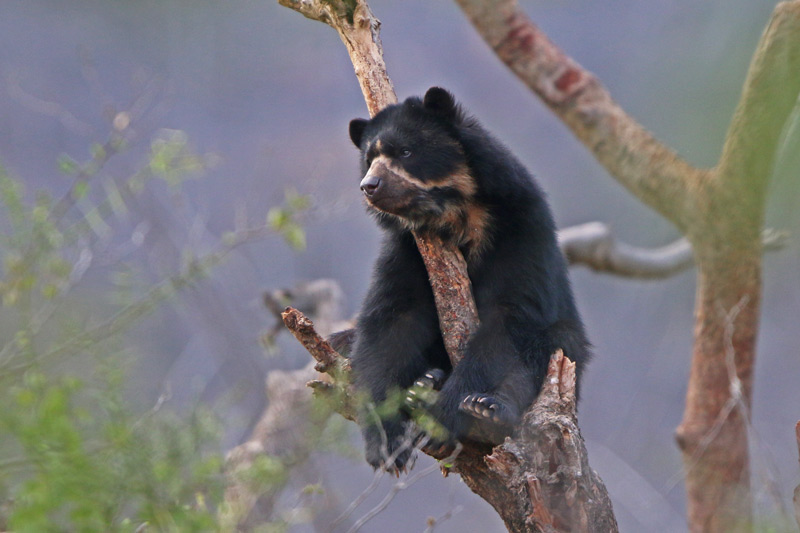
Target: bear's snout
x=370, y=184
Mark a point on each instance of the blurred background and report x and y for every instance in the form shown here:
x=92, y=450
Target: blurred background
x=197, y=153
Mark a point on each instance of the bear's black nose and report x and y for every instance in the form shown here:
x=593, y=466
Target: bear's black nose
x=370, y=184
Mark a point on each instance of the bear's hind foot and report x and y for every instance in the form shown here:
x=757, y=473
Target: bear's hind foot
x=486, y=407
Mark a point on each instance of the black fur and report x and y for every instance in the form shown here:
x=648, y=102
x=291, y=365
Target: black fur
x=519, y=277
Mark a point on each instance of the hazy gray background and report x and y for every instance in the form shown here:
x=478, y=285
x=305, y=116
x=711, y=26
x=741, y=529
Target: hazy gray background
x=270, y=93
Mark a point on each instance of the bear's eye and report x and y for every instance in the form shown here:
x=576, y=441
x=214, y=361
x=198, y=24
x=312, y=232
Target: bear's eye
x=405, y=152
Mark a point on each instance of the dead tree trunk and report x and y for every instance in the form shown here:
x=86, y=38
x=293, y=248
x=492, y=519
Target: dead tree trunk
x=540, y=479
x=720, y=210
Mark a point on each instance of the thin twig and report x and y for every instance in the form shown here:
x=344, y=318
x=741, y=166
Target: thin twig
x=135, y=310
x=399, y=486
x=379, y=474
x=433, y=522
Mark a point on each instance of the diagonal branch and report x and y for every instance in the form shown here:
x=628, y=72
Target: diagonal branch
x=653, y=172
x=447, y=270
x=328, y=361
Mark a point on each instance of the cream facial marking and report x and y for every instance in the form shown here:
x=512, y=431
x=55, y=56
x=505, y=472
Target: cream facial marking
x=465, y=222
x=459, y=180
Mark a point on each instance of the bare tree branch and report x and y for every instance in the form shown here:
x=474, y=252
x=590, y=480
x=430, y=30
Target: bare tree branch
x=547, y=461
x=303, y=330
x=284, y=430
x=593, y=245
x=649, y=169
x=726, y=240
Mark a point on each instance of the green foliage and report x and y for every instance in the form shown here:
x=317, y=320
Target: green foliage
x=31, y=258
x=172, y=159
x=88, y=464
x=265, y=473
x=73, y=455
x=284, y=219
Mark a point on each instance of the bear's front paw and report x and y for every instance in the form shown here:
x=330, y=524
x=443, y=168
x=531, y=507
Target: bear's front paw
x=486, y=407
x=423, y=393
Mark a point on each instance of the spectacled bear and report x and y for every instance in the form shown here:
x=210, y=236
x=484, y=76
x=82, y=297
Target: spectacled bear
x=427, y=166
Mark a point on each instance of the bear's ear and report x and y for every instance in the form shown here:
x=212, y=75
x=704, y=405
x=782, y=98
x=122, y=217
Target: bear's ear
x=357, y=126
x=440, y=102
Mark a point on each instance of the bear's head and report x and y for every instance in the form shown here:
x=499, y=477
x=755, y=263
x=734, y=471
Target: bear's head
x=414, y=167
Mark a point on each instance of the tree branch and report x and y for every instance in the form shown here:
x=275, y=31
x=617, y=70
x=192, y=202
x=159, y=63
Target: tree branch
x=594, y=245
x=452, y=291
x=726, y=240
x=328, y=360
x=769, y=94
x=653, y=172
x=547, y=461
